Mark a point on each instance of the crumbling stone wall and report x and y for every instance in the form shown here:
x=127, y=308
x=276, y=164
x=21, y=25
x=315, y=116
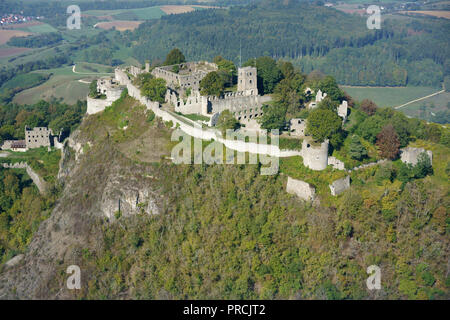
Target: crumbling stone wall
x=336, y=163
x=301, y=189
x=340, y=185
x=315, y=157
x=37, y=137
x=96, y=105
x=38, y=181
x=411, y=155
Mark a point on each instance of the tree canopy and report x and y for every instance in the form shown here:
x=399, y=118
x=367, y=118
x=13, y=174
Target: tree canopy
x=175, y=56
x=154, y=89
x=324, y=124
x=212, y=84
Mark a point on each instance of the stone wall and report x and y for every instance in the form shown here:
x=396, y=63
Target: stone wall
x=297, y=127
x=204, y=134
x=38, y=181
x=37, y=137
x=96, y=105
x=340, y=185
x=336, y=163
x=411, y=155
x=343, y=110
x=315, y=157
x=301, y=189
x=194, y=73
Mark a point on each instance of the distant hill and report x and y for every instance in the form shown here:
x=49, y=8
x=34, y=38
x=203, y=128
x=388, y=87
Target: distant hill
x=403, y=52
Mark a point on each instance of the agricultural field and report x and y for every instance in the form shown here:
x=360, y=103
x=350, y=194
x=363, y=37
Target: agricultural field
x=119, y=25
x=127, y=14
x=428, y=108
x=38, y=28
x=5, y=35
x=141, y=14
x=11, y=51
x=437, y=13
x=389, y=96
x=63, y=84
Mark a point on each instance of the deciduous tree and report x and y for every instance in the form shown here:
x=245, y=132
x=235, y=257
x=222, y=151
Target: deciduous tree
x=388, y=142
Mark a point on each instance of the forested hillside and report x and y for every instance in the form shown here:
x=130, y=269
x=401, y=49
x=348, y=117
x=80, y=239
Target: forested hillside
x=227, y=232
x=411, y=51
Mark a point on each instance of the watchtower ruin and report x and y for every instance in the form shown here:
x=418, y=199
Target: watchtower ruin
x=247, y=81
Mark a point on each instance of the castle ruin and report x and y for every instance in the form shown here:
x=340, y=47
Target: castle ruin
x=110, y=88
x=34, y=138
x=411, y=155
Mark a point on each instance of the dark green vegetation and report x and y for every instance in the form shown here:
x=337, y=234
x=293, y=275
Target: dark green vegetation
x=42, y=40
x=212, y=85
x=233, y=246
x=48, y=63
x=175, y=56
x=409, y=51
x=22, y=209
x=60, y=117
x=227, y=121
x=154, y=89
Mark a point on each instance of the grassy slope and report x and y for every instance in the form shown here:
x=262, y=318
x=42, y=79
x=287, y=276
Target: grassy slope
x=62, y=84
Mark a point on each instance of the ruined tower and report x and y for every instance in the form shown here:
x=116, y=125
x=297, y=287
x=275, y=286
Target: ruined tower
x=247, y=81
x=315, y=157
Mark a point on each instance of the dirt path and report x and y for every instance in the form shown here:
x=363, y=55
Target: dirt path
x=412, y=101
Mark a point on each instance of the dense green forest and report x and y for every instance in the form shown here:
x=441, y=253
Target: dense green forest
x=56, y=115
x=22, y=209
x=407, y=51
x=41, y=40
x=413, y=51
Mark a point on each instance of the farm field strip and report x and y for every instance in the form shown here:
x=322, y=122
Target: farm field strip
x=388, y=96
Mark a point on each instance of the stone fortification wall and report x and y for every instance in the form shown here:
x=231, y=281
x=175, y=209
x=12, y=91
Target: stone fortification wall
x=315, y=157
x=38, y=181
x=340, y=185
x=96, y=105
x=301, y=189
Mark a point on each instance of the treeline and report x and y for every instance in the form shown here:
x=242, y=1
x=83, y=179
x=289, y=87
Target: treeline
x=56, y=115
x=51, y=62
x=51, y=8
x=20, y=83
x=39, y=41
x=261, y=29
x=414, y=51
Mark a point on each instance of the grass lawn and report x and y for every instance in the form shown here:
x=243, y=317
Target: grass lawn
x=389, y=96
x=62, y=84
x=24, y=81
x=45, y=163
x=294, y=168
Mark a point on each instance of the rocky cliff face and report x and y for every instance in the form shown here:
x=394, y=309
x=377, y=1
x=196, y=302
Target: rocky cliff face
x=99, y=185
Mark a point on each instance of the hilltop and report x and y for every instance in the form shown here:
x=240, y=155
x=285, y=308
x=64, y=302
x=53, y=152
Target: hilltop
x=224, y=231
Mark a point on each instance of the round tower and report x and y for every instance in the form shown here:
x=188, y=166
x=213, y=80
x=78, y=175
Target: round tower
x=315, y=157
